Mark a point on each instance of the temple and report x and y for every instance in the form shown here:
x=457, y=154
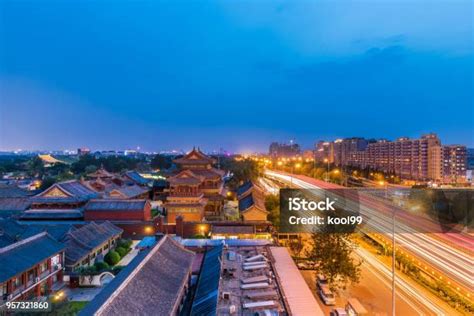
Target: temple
x=197, y=190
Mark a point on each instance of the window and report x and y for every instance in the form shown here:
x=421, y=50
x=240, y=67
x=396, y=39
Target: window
x=55, y=260
x=43, y=267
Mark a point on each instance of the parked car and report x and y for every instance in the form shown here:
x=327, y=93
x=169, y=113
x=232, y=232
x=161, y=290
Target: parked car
x=327, y=296
x=321, y=280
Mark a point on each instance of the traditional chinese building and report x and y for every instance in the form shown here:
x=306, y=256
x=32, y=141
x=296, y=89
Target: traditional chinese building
x=251, y=202
x=197, y=190
x=116, y=210
x=61, y=201
x=31, y=265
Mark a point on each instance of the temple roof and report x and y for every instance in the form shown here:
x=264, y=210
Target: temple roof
x=211, y=173
x=65, y=192
x=127, y=191
x=137, y=178
x=25, y=254
x=100, y=173
x=115, y=205
x=196, y=157
x=186, y=177
x=12, y=191
x=152, y=284
x=81, y=241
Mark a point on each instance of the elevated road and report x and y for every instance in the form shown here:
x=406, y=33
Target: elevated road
x=448, y=255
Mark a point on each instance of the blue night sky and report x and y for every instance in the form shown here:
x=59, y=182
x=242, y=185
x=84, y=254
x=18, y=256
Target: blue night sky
x=232, y=74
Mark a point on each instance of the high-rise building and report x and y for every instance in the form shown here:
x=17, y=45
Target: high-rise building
x=284, y=150
x=454, y=163
x=420, y=159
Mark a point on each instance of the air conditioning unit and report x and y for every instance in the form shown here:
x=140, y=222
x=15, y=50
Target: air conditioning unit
x=232, y=309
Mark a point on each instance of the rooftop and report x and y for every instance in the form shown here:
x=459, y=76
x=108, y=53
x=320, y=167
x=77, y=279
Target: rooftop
x=65, y=192
x=152, y=284
x=115, y=205
x=81, y=241
x=27, y=253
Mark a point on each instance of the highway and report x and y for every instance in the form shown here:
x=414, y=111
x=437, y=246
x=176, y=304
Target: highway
x=447, y=256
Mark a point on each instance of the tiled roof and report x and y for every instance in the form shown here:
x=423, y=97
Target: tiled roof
x=207, y=290
x=195, y=156
x=73, y=190
x=115, y=205
x=244, y=188
x=186, y=177
x=12, y=191
x=81, y=241
x=234, y=229
x=209, y=173
x=129, y=191
x=52, y=214
x=14, y=204
x=24, y=255
x=137, y=178
x=152, y=284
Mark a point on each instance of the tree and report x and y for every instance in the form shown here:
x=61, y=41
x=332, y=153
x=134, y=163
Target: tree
x=112, y=257
x=333, y=251
x=161, y=162
x=46, y=183
x=101, y=266
x=297, y=246
x=241, y=170
x=121, y=251
x=36, y=167
x=272, y=204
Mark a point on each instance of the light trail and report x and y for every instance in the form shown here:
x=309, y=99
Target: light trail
x=450, y=261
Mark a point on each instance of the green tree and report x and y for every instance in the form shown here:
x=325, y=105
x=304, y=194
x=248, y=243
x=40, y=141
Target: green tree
x=47, y=182
x=272, y=204
x=36, y=167
x=101, y=266
x=333, y=251
x=297, y=246
x=121, y=251
x=161, y=162
x=241, y=170
x=112, y=257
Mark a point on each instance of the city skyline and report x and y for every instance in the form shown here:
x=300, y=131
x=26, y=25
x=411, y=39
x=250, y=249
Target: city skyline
x=117, y=77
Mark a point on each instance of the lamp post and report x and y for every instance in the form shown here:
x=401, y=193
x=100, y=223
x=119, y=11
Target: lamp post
x=293, y=166
x=385, y=185
x=326, y=160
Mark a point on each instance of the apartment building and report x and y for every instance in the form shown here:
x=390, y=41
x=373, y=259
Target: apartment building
x=423, y=159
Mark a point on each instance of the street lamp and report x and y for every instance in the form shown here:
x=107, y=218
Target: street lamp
x=327, y=173
x=297, y=166
x=385, y=185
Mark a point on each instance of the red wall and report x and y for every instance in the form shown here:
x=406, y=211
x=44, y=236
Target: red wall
x=144, y=215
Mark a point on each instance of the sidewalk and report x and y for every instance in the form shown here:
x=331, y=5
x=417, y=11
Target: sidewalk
x=129, y=256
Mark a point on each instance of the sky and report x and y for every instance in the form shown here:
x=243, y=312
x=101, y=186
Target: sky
x=235, y=75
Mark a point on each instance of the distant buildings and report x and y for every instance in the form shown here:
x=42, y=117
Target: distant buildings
x=284, y=150
x=83, y=151
x=197, y=190
x=421, y=159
